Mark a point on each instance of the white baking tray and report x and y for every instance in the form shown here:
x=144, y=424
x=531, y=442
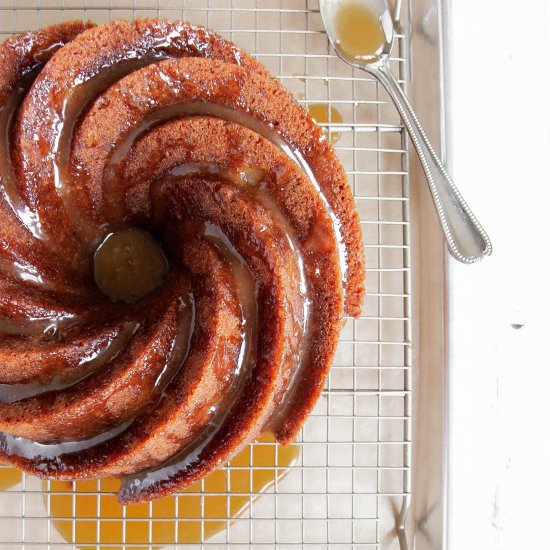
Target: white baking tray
x=370, y=469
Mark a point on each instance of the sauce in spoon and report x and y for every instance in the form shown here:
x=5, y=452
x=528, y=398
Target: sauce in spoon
x=358, y=30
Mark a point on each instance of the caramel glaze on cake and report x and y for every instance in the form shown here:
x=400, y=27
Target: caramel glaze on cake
x=164, y=127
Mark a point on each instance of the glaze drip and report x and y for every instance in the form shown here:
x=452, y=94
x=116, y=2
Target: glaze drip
x=86, y=365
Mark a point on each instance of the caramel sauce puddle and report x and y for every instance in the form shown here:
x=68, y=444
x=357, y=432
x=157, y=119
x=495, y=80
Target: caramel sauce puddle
x=192, y=516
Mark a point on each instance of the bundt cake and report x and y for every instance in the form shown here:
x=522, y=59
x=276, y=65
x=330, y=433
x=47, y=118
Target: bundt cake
x=178, y=248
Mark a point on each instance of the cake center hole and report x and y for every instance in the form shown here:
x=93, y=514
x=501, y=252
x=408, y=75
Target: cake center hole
x=129, y=265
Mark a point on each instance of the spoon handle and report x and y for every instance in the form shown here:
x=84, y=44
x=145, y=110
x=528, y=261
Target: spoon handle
x=467, y=240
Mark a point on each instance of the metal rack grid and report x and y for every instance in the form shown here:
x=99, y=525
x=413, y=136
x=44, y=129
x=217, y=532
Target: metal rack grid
x=351, y=484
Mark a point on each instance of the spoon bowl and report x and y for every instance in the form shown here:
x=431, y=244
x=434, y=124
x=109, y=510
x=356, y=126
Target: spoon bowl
x=361, y=32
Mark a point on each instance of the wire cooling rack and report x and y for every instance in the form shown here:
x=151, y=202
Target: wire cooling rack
x=351, y=484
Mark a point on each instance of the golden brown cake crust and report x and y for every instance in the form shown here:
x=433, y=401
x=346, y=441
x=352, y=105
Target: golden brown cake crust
x=167, y=127
x=21, y=57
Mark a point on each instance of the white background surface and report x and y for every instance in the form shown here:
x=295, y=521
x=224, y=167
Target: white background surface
x=499, y=150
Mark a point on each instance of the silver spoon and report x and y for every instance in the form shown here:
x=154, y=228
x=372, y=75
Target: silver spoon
x=361, y=32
